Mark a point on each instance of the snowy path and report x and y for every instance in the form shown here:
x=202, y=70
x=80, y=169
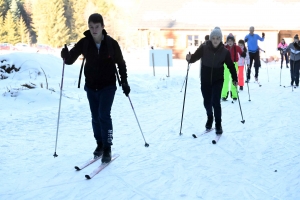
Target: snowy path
x=256, y=160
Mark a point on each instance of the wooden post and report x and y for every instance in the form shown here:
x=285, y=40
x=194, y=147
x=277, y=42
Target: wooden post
x=153, y=64
x=168, y=65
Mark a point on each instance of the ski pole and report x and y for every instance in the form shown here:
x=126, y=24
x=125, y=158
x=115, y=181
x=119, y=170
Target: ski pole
x=146, y=144
x=268, y=71
x=243, y=121
x=183, y=84
x=186, y=77
x=61, y=87
x=248, y=83
x=187, y=73
x=293, y=77
x=280, y=75
x=255, y=80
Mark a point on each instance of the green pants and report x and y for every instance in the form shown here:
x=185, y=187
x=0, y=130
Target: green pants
x=227, y=84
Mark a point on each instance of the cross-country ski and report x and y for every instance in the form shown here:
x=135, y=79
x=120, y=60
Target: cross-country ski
x=215, y=141
x=101, y=167
x=87, y=163
x=204, y=132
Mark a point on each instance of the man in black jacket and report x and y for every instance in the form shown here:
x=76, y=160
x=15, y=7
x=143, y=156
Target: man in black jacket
x=100, y=79
x=213, y=56
x=206, y=38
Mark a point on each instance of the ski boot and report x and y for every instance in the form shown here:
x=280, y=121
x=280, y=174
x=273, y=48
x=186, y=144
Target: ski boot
x=219, y=129
x=99, y=150
x=106, y=157
x=209, y=122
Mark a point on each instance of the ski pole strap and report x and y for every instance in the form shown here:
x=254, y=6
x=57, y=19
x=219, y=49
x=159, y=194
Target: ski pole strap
x=80, y=72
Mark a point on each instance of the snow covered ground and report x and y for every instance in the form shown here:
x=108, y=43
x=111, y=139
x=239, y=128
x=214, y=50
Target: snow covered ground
x=256, y=160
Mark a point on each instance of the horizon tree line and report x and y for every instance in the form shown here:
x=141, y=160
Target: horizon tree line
x=55, y=22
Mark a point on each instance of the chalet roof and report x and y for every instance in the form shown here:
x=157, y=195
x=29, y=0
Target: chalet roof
x=229, y=14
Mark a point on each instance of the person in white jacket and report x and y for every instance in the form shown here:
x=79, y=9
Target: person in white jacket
x=241, y=64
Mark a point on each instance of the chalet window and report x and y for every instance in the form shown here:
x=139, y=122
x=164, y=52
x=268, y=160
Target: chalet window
x=196, y=40
x=192, y=40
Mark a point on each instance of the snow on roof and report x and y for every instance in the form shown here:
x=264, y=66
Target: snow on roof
x=180, y=14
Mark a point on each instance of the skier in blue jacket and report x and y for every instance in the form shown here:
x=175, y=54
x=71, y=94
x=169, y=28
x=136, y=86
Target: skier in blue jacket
x=253, y=49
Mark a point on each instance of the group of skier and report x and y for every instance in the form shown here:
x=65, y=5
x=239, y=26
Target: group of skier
x=218, y=72
x=220, y=64
x=291, y=53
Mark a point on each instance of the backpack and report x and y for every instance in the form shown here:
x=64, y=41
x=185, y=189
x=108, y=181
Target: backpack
x=108, y=40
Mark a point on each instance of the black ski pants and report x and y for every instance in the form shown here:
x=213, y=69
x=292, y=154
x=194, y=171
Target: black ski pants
x=253, y=57
x=295, y=65
x=286, y=59
x=212, y=95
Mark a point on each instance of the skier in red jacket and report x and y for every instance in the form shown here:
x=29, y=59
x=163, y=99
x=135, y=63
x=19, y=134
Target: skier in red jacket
x=235, y=52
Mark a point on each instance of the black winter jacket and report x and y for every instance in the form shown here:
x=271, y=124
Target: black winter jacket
x=212, y=63
x=99, y=69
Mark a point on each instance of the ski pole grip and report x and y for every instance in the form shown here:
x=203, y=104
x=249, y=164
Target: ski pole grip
x=190, y=59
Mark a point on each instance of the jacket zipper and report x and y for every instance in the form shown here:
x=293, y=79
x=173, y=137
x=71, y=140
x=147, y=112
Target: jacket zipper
x=213, y=65
x=212, y=69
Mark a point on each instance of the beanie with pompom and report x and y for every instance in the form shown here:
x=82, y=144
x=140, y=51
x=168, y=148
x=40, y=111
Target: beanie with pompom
x=216, y=32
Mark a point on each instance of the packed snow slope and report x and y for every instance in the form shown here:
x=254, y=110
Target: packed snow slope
x=259, y=159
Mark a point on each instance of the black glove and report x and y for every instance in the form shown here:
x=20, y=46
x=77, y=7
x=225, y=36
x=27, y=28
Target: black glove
x=64, y=52
x=263, y=35
x=126, y=88
x=243, y=54
x=235, y=83
x=279, y=48
x=246, y=40
x=297, y=45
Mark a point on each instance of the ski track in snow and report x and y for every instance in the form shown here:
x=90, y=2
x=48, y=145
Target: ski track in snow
x=242, y=165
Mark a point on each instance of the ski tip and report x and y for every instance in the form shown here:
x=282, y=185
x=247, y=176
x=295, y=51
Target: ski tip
x=214, y=142
x=87, y=177
x=77, y=168
x=194, y=136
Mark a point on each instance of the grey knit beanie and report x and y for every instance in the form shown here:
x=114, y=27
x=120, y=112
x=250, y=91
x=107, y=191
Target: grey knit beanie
x=216, y=32
x=230, y=37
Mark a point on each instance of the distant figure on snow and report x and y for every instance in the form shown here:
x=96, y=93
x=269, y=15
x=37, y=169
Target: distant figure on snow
x=206, y=38
x=294, y=52
x=236, y=52
x=252, y=40
x=241, y=64
x=282, y=47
